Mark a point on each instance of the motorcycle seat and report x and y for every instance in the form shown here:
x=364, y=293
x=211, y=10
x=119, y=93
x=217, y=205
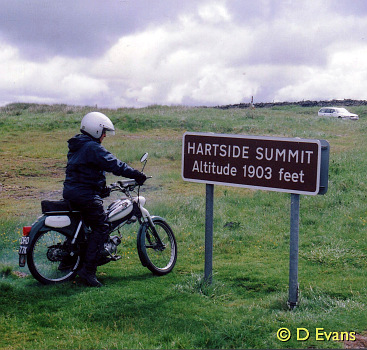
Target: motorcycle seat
x=56, y=207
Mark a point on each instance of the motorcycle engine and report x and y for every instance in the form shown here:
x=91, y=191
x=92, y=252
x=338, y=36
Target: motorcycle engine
x=110, y=248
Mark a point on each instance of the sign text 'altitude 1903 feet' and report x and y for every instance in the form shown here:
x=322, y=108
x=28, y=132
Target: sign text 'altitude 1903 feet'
x=270, y=163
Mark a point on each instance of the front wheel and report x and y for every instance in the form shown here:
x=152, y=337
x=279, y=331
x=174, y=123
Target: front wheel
x=157, y=246
x=51, y=258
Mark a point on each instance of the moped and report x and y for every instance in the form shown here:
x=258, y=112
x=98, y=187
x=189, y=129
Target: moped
x=54, y=246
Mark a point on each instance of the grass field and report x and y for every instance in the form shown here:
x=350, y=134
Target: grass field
x=247, y=303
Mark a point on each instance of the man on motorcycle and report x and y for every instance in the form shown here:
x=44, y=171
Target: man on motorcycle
x=85, y=184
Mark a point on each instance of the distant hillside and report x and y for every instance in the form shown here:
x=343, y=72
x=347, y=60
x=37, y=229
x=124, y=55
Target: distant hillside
x=18, y=108
x=307, y=103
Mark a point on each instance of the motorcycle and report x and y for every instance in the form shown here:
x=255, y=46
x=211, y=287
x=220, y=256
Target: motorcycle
x=54, y=246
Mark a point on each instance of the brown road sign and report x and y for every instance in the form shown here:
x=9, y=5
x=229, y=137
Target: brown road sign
x=269, y=163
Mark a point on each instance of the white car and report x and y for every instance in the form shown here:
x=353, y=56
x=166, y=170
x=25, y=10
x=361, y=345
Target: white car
x=337, y=112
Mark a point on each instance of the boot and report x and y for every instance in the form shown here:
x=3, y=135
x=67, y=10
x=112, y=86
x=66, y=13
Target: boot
x=89, y=277
x=89, y=269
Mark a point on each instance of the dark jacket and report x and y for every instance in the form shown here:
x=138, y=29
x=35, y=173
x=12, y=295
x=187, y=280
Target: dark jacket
x=87, y=163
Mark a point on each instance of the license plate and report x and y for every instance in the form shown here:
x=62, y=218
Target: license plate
x=24, y=240
x=23, y=250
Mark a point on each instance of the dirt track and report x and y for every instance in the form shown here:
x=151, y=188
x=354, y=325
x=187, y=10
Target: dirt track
x=359, y=343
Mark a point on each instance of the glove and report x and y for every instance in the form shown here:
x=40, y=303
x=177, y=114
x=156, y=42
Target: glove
x=140, y=177
x=105, y=192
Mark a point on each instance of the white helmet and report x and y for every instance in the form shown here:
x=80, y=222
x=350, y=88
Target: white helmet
x=95, y=123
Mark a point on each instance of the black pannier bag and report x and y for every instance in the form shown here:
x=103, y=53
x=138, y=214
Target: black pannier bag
x=49, y=207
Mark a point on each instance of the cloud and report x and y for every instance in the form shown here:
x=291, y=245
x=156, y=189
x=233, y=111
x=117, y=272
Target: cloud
x=205, y=58
x=214, y=13
x=345, y=76
x=84, y=28
x=54, y=81
x=136, y=53
x=189, y=60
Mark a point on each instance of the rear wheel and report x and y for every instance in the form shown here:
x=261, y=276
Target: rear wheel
x=51, y=258
x=157, y=253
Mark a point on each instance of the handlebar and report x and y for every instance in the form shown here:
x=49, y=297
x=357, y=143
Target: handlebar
x=129, y=185
x=124, y=185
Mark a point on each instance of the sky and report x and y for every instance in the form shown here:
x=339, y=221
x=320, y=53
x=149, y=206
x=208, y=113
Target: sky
x=136, y=53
